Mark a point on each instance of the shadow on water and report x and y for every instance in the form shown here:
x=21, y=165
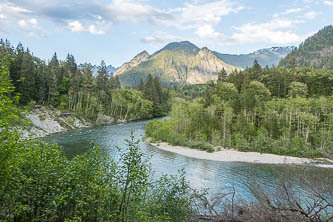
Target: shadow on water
x=217, y=176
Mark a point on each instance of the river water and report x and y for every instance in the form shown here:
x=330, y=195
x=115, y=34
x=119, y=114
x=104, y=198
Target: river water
x=216, y=176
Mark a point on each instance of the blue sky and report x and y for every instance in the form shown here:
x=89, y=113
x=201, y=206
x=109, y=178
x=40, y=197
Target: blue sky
x=117, y=30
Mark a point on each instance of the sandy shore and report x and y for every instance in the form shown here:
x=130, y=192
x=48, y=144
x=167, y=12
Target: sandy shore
x=237, y=156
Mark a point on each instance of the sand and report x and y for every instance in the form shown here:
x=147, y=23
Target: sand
x=229, y=155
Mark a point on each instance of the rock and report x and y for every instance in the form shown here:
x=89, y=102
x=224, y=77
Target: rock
x=137, y=60
x=103, y=119
x=44, y=122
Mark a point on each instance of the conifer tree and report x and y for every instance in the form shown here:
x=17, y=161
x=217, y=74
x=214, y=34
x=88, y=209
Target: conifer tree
x=53, y=71
x=102, y=76
x=222, y=77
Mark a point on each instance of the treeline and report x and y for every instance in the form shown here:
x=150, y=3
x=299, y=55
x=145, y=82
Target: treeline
x=68, y=86
x=272, y=110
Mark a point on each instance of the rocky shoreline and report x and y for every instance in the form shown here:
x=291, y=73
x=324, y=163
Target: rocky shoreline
x=44, y=121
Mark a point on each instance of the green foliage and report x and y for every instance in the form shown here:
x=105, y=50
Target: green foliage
x=316, y=51
x=64, y=85
x=284, y=111
x=38, y=183
x=153, y=91
x=132, y=177
x=172, y=196
x=298, y=89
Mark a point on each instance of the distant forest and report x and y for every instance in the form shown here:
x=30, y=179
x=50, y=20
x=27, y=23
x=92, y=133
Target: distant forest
x=63, y=85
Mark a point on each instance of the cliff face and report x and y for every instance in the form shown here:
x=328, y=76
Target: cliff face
x=44, y=121
x=181, y=62
x=137, y=60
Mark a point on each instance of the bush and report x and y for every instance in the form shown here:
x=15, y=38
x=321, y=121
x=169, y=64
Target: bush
x=39, y=183
x=201, y=145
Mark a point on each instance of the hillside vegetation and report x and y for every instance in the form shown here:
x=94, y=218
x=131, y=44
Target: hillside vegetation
x=285, y=111
x=316, y=51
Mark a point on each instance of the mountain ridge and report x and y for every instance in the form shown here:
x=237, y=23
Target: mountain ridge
x=265, y=57
x=177, y=62
x=184, y=62
x=316, y=51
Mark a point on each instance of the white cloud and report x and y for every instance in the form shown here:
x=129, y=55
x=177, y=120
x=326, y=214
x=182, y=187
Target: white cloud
x=134, y=11
x=27, y=23
x=195, y=15
x=12, y=9
x=311, y=15
x=207, y=31
x=97, y=18
x=161, y=37
x=33, y=21
x=98, y=28
x=75, y=26
x=276, y=31
x=14, y=16
x=328, y=2
x=292, y=10
x=93, y=30
x=22, y=23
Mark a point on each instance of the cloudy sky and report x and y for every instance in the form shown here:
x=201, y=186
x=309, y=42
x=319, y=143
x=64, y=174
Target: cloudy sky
x=117, y=30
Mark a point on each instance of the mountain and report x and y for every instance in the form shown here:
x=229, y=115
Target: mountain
x=141, y=57
x=177, y=62
x=316, y=51
x=265, y=57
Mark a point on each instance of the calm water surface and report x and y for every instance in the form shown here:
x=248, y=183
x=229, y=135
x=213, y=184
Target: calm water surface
x=216, y=176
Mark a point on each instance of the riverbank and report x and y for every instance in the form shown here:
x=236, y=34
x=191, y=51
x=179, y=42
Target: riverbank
x=230, y=155
x=44, y=121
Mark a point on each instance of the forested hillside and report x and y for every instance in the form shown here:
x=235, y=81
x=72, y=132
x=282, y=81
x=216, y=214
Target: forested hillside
x=69, y=87
x=272, y=110
x=316, y=51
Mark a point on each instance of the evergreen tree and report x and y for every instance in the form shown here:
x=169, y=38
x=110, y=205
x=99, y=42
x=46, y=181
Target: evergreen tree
x=53, y=71
x=70, y=65
x=148, y=91
x=115, y=83
x=141, y=85
x=102, y=76
x=27, y=87
x=222, y=77
x=15, y=67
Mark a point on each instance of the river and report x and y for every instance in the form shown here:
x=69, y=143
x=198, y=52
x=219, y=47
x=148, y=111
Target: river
x=216, y=176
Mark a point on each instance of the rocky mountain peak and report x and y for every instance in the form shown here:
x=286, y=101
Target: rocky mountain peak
x=137, y=60
x=204, y=52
